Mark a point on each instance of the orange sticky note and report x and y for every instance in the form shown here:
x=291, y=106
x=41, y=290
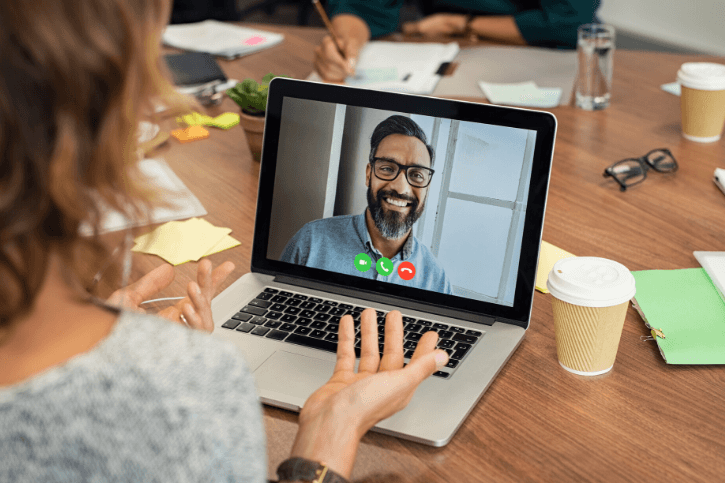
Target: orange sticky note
x=191, y=133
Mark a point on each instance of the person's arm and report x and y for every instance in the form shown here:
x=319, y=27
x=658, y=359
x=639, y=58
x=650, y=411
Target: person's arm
x=555, y=23
x=336, y=416
x=502, y=28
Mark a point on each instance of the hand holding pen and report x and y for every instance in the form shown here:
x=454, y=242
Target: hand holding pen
x=336, y=56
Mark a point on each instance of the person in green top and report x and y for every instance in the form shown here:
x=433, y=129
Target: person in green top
x=544, y=23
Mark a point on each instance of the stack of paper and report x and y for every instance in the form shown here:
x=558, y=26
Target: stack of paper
x=219, y=38
x=526, y=94
x=400, y=66
x=179, y=242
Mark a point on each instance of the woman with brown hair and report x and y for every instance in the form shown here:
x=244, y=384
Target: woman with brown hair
x=91, y=391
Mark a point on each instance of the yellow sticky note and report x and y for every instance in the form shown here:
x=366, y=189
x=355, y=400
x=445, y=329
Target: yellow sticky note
x=194, y=119
x=181, y=241
x=225, y=121
x=547, y=258
x=225, y=244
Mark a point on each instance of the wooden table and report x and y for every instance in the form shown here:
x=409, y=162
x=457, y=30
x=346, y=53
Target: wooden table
x=645, y=420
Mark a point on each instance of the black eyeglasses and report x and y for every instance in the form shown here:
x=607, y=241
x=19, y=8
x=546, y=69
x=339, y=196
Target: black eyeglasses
x=387, y=170
x=631, y=171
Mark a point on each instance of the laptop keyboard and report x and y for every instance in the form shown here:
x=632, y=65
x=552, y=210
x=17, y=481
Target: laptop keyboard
x=314, y=322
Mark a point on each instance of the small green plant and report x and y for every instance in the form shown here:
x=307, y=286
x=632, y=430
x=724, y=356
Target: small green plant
x=251, y=96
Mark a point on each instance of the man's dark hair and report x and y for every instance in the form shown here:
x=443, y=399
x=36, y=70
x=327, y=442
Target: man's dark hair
x=398, y=125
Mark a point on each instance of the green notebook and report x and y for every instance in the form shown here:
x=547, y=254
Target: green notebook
x=688, y=309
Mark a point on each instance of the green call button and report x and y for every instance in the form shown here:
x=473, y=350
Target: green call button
x=384, y=267
x=363, y=262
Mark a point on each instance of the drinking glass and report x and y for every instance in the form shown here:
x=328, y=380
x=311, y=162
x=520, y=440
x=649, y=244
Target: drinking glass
x=595, y=49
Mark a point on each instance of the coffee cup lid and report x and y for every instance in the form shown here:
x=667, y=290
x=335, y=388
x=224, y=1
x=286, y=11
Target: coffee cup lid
x=706, y=76
x=591, y=282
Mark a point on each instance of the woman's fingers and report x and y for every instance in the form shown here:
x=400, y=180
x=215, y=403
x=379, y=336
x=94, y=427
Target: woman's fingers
x=345, y=346
x=393, y=348
x=369, y=352
x=144, y=288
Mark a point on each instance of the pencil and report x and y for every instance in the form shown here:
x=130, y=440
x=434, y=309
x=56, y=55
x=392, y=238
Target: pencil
x=328, y=24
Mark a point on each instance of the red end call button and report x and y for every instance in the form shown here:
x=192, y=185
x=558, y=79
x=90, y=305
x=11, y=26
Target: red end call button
x=406, y=270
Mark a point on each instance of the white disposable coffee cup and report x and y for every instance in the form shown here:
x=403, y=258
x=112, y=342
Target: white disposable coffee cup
x=702, y=100
x=590, y=300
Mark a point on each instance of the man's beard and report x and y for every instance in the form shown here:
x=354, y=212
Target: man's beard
x=393, y=225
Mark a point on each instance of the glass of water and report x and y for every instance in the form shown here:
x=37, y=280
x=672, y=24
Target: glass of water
x=595, y=49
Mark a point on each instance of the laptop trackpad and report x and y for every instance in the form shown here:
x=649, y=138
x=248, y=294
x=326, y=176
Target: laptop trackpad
x=293, y=377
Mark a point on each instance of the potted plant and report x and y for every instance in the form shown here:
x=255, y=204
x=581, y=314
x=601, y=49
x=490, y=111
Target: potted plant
x=252, y=99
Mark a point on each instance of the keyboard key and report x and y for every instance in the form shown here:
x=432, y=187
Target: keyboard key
x=259, y=330
x=253, y=310
x=462, y=347
x=278, y=307
x=449, y=351
x=380, y=313
x=425, y=323
x=413, y=336
x=288, y=327
x=245, y=327
x=315, y=300
x=277, y=335
x=408, y=319
x=458, y=355
x=442, y=374
x=318, y=325
x=446, y=334
x=322, y=308
x=409, y=354
x=474, y=333
x=467, y=339
x=292, y=310
x=335, y=320
x=265, y=296
x=358, y=309
x=345, y=306
x=334, y=328
x=258, y=320
x=307, y=305
x=381, y=338
x=452, y=363
x=288, y=318
x=293, y=302
x=286, y=294
x=338, y=311
x=274, y=315
x=260, y=303
x=307, y=313
x=457, y=330
x=303, y=330
x=271, y=290
x=242, y=316
x=303, y=321
x=318, y=334
x=411, y=344
x=331, y=337
x=322, y=317
x=440, y=326
x=300, y=296
x=442, y=344
x=230, y=324
x=413, y=328
x=272, y=324
x=321, y=344
x=279, y=299
x=329, y=302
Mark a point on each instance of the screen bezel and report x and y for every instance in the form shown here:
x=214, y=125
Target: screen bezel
x=543, y=123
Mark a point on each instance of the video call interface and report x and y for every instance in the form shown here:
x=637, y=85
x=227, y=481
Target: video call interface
x=430, y=203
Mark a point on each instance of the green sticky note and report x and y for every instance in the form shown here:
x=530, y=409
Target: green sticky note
x=688, y=309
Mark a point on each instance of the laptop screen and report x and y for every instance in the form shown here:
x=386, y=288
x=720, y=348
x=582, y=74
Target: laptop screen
x=413, y=201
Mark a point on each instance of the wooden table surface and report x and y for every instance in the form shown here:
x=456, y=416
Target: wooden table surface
x=643, y=421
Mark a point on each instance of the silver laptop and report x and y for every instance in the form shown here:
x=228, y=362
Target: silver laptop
x=392, y=201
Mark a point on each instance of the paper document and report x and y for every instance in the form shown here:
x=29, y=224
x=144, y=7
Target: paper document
x=672, y=88
x=219, y=38
x=164, y=180
x=526, y=94
x=400, y=66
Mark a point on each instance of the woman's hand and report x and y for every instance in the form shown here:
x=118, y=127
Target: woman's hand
x=195, y=307
x=332, y=66
x=437, y=25
x=336, y=416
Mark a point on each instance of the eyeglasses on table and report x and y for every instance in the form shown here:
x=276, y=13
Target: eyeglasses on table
x=631, y=171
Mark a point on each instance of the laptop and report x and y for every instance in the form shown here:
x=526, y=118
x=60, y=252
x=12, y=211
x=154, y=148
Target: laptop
x=433, y=207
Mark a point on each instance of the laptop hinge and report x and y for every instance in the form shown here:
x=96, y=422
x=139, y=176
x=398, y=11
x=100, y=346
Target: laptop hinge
x=386, y=299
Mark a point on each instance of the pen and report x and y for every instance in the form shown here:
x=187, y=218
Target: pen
x=328, y=24
x=719, y=179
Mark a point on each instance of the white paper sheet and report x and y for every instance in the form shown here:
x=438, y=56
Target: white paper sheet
x=524, y=94
x=219, y=38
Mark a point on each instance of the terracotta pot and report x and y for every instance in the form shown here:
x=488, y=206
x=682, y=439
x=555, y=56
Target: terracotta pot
x=254, y=129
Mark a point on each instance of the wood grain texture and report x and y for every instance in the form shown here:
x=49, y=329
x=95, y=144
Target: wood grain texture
x=643, y=421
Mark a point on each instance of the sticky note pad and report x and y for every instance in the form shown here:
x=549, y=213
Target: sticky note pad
x=225, y=121
x=178, y=242
x=191, y=133
x=549, y=255
x=194, y=119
